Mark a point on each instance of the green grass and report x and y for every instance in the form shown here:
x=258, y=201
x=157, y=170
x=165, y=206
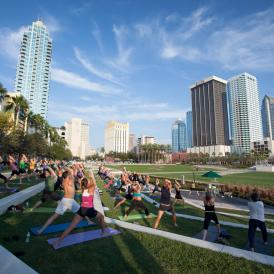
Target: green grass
x=262, y=179
x=129, y=252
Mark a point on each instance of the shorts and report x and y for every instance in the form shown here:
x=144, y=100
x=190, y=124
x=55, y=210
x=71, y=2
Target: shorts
x=30, y=171
x=208, y=217
x=22, y=170
x=129, y=197
x=50, y=195
x=168, y=208
x=67, y=204
x=87, y=212
x=15, y=172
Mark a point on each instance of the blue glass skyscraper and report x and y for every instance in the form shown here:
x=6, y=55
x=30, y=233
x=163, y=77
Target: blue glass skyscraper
x=33, y=68
x=179, y=136
x=189, y=128
x=268, y=117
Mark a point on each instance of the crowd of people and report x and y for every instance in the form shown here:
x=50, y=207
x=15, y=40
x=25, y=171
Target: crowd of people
x=133, y=184
x=72, y=176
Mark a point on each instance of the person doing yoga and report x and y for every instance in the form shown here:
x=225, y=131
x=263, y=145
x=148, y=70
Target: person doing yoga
x=210, y=214
x=136, y=200
x=165, y=203
x=86, y=210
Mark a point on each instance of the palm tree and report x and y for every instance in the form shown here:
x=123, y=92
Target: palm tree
x=17, y=104
x=3, y=92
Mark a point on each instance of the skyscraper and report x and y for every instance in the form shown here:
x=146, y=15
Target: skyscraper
x=33, y=68
x=189, y=129
x=179, y=142
x=268, y=117
x=132, y=142
x=209, y=112
x=77, y=137
x=116, y=137
x=244, y=112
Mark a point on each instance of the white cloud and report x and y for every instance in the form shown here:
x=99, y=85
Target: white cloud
x=52, y=24
x=74, y=80
x=10, y=41
x=92, y=69
x=96, y=33
x=81, y=9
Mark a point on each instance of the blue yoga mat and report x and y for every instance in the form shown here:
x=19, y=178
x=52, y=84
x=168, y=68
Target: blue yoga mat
x=82, y=237
x=58, y=228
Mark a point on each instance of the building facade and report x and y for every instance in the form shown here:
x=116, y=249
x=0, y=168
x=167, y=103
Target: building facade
x=33, y=68
x=268, y=117
x=189, y=129
x=209, y=114
x=77, y=137
x=132, y=142
x=179, y=138
x=244, y=112
x=265, y=147
x=117, y=137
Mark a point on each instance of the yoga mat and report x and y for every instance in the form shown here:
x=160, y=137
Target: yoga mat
x=137, y=217
x=58, y=227
x=7, y=190
x=82, y=237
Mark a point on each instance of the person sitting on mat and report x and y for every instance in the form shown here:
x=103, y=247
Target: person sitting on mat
x=67, y=202
x=136, y=200
x=165, y=204
x=256, y=219
x=86, y=210
x=210, y=214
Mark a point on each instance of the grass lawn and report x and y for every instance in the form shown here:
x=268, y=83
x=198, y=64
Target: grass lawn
x=262, y=179
x=129, y=252
x=25, y=184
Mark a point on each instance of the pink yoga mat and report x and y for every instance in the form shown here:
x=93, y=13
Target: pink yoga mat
x=82, y=237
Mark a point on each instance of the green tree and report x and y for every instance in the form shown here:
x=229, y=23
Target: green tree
x=3, y=92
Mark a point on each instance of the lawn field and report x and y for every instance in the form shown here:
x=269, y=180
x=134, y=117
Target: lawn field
x=262, y=179
x=129, y=252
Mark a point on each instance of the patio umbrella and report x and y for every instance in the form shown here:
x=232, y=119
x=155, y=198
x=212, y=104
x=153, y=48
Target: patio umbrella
x=212, y=174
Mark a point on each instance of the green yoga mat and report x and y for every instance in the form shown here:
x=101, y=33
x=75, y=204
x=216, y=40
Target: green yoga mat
x=43, y=210
x=137, y=217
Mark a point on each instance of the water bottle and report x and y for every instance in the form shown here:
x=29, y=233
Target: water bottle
x=27, y=204
x=28, y=238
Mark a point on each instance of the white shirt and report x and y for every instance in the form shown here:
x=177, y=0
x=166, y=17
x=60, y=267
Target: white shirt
x=256, y=210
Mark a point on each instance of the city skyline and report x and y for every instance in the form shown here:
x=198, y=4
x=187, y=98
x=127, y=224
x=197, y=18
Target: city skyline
x=125, y=63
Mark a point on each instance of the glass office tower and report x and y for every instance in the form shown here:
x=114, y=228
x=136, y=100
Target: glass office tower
x=179, y=142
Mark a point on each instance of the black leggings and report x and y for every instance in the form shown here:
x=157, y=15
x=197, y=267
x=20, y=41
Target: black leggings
x=4, y=178
x=138, y=204
x=253, y=224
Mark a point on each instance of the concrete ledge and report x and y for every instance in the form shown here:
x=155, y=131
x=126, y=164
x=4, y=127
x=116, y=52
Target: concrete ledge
x=190, y=217
x=20, y=197
x=236, y=252
x=10, y=264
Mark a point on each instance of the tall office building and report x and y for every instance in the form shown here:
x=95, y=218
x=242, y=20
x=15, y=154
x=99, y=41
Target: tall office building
x=189, y=129
x=209, y=116
x=268, y=117
x=117, y=137
x=77, y=137
x=132, y=142
x=33, y=68
x=178, y=131
x=244, y=112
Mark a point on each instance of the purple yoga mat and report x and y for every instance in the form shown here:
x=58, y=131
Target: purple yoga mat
x=82, y=237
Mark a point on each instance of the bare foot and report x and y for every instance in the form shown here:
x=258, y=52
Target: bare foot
x=125, y=217
x=57, y=243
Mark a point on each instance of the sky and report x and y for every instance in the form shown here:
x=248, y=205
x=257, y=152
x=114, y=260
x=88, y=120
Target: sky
x=134, y=61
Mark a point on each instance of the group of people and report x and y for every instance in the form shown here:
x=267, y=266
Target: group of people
x=133, y=184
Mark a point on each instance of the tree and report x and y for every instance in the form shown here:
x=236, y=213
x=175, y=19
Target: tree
x=17, y=104
x=3, y=92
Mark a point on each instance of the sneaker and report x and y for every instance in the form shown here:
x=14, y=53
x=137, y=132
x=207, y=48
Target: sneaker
x=175, y=225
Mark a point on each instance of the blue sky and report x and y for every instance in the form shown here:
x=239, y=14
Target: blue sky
x=135, y=60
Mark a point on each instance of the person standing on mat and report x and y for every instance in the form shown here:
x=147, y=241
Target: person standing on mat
x=49, y=190
x=256, y=219
x=67, y=202
x=14, y=169
x=136, y=200
x=165, y=204
x=86, y=210
x=3, y=177
x=178, y=196
x=128, y=196
x=210, y=214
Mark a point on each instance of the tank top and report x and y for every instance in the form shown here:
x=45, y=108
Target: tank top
x=165, y=196
x=87, y=199
x=209, y=208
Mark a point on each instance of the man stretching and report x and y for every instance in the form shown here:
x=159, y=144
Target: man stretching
x=67, y=201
